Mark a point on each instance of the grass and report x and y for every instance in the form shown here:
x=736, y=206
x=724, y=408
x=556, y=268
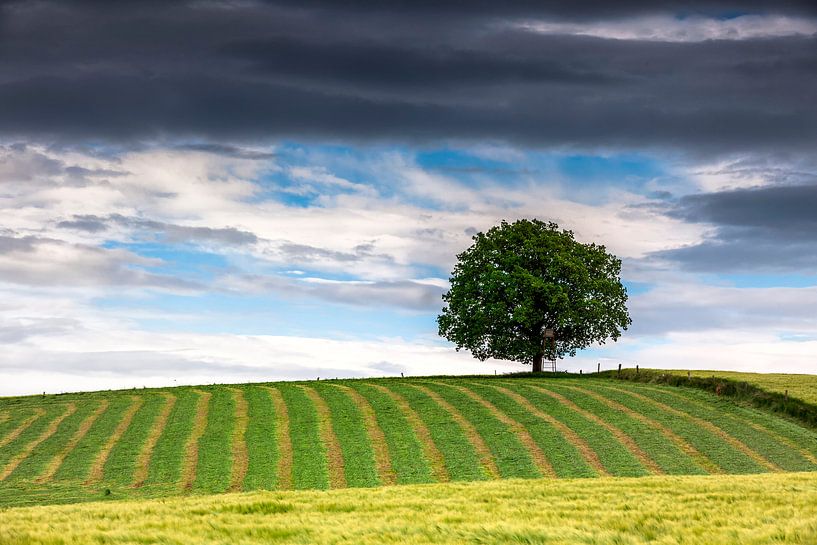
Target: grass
x=263, y=453
x=309, y=468
x=10, y=453
x=165, y=442
x=351, y=433
x=404, y=449
x=512, y=459
x=694, y=510
x=800, y=386
x=667, y=455
x=121, y=463
x=617, y=460
x=461, y=459
x=725, y=456
x=563, y=456
x=752, y=394
x=33, y=466
x=737, y=423
x=215, y=459
x=167, y=460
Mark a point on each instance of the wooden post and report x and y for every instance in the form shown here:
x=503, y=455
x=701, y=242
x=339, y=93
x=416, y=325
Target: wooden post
x=598, y=368
x=636, y=368
x=619, y=369
x=689, y=375
x=787, y=395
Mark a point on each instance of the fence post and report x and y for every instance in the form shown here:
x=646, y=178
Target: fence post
x=619, y=369
x=598, y=369
x=636, y=369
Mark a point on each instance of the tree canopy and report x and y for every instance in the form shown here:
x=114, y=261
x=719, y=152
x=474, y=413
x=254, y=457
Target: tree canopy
x=520, y=279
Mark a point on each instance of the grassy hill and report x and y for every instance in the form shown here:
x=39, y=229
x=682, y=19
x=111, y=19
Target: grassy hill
x=367, y=433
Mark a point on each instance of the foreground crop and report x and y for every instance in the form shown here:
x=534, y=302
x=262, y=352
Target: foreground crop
x=748, y=509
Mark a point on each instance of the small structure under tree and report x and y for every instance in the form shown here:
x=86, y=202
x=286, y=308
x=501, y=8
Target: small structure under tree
x=522, y=282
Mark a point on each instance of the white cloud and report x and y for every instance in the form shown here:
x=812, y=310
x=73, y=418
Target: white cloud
x=425, y=222
x=54, y=337
x=679, y=307
x=128, y=358
x=665, y=28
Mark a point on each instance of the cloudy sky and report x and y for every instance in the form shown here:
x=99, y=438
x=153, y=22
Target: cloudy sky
x=197, y=192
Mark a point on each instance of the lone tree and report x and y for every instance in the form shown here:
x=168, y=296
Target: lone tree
x=524, y=280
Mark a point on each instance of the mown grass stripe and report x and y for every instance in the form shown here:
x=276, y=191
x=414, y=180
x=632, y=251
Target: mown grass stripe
x=620, y=436
x=730, y=459
x=404, y=449
x=309, y=463
x=191, y=449
x=565, y=458
x=24, y=425
x=215, y=449
x=805, y=453
x=511, y=457
x=262, y=450
x=98, y=467
x=536, y=454
x=369, y=449
x=571, y=436
x=121, y=463
x=709, y=426
x=432, y=453
x=683, y=445
x=86, y=424
x=476, y=440
x=166, y=467
x=734, y=420
x=29, y=448
x=461, y=458
x=140, y=474
x=240, y=455
x=334, y=453
x=282, y=428
x=77, y=465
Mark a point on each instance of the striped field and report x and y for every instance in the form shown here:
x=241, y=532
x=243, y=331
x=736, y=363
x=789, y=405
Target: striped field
x=369, y=433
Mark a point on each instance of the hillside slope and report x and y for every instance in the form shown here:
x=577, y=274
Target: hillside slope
x=365, y=433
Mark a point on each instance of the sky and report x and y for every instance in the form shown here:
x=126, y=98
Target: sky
x=212, y=191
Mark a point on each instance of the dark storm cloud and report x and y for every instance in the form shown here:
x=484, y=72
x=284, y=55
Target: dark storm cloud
x=765, y=229
x=791, y=210
x=397, y=71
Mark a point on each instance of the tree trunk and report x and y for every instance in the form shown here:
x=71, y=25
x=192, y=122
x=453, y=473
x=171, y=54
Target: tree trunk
x=537, y=363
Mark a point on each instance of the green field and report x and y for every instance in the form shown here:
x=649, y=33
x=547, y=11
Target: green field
x=800, y=386
x=704, y=510
x=368, y=433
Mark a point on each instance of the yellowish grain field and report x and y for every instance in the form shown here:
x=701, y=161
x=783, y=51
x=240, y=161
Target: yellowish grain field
x=749, y=509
